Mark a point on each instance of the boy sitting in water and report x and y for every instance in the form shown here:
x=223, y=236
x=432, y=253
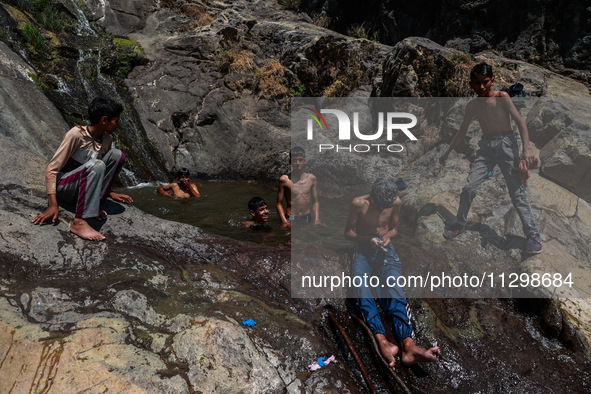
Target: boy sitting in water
x=83, y=169
x=183, y=188
x=260, y=214
x=372, y=224
x=302, y=187
x=494, y=110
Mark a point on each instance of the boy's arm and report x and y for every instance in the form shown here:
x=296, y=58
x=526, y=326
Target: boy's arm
x=350, y=228
x=468, y=116
x=67, y=147
x=194, y=191
x=120, y=197
x=315, y=202
x=351, y=225
x=280, y=198
x=52, y=211
x=527, y=153
x=393, y=225
x=162, y=190
x=71, y=142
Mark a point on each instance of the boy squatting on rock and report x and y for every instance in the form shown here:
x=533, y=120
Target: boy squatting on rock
x=372, y=224
x=83, y=169
x=494, y=109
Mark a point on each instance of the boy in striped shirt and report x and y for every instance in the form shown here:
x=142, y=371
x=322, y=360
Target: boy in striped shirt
x=83, y=169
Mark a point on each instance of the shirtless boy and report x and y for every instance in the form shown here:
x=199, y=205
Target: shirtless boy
x=494, y=110
x=298, y=190
x=183, y=188
x=83, y=169
x=259, y=211
x=372, y=224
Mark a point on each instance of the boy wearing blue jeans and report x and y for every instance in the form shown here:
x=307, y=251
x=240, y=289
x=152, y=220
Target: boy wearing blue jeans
x=494, y=110
x=372, y=223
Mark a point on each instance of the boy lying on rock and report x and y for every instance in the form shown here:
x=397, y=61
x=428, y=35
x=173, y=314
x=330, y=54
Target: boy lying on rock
x=372, y=224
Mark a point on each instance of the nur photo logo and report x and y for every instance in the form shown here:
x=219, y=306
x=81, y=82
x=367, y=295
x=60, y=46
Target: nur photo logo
x=349, y=129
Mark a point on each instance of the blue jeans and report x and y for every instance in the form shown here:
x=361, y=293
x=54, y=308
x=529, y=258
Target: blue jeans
x=503, y=151
x=371, y=261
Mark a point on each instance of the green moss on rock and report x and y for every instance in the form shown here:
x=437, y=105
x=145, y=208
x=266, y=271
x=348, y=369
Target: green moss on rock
x=129, y=55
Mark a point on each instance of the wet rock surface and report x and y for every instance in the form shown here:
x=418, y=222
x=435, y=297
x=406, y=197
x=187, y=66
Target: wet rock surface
x=157, y=308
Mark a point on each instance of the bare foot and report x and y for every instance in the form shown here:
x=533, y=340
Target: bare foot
x=412, y=354
x=388, y=349
x=82, y=229
x=102, y=215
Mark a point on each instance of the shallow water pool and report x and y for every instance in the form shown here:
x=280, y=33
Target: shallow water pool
x=223, y=208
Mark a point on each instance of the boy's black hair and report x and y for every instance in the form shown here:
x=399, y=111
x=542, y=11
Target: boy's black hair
x=183, y=171
x=383, y=193
x=100, y=107
x=481, y=69
x=297, y=151
x=255, y=203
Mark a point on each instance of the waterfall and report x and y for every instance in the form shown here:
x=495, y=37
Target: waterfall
x=128, y=177
x=95, y=84
x=62, y=85
x=74, y=68
x=83, y=27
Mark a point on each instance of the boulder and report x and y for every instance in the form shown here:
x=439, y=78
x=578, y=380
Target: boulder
x=417, y=66
x=224, y=87
x=554, y=35
x=566, y=159
x=121, y=16
x=25, y=113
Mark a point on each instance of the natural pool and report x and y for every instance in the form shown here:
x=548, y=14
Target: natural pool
x=223, y=208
